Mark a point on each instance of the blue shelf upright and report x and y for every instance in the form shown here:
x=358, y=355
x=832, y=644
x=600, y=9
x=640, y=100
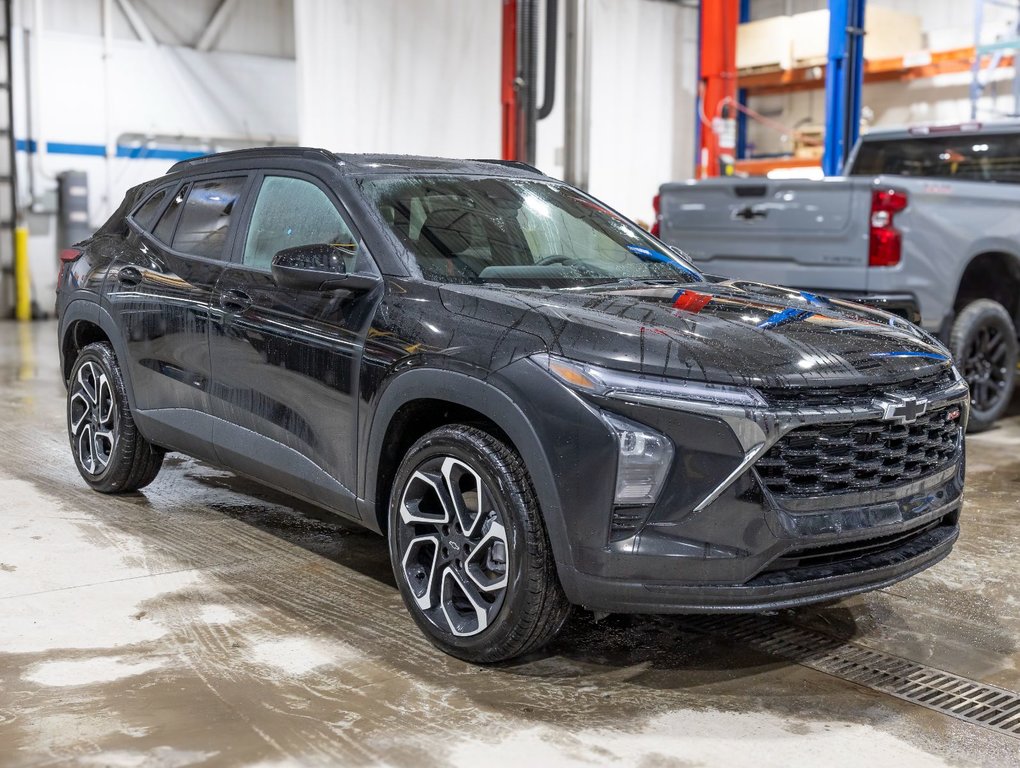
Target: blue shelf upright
x=844, y=81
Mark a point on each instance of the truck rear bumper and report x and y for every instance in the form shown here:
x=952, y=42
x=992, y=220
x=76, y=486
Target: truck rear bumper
x=902, y=304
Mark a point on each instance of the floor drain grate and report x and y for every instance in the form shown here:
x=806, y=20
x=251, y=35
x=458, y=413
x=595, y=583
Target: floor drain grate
x=959, y=697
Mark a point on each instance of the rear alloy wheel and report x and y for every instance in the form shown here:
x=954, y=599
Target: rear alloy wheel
x=110, y=454
x=92, y=418
x=984, y=347
x=469, y=549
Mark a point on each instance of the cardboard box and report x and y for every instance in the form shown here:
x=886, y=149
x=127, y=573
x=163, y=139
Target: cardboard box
x=889, y=34
x=765, y=44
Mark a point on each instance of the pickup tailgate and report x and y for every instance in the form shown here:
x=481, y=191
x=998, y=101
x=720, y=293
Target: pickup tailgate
x=800, y=233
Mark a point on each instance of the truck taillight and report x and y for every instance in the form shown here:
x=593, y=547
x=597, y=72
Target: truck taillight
x=657, y=224
x=885, y=244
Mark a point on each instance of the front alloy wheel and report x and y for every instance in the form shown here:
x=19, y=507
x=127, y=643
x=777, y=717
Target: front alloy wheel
x=454, y=546
x=469, y=548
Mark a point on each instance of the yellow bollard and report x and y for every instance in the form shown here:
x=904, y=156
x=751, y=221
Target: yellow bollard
x=26, y=349
x=22, y=276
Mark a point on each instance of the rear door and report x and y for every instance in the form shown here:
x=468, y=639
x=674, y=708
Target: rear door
x=285, y=361
x=159, y=291
x=801, y=233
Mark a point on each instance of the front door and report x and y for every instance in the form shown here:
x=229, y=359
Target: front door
x=285, y=362
x=158, y=292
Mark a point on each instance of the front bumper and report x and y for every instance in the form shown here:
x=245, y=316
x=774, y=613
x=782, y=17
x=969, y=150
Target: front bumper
x=714, y=544
x=771, y=590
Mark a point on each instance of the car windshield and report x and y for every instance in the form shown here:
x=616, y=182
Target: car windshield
x=518, y=232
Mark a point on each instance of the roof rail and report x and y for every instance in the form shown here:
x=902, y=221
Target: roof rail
x=240, y=154
x=509, y=164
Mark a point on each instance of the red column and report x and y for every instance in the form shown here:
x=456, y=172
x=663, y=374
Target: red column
x=719, y=19
x=508, y=74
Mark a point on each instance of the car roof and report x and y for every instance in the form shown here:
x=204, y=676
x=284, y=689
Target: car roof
x=360, y=164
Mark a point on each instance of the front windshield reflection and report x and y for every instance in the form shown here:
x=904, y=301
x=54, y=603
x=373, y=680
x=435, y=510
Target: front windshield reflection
x=519, y=232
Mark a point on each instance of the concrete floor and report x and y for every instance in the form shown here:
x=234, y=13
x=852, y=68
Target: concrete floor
x=207, y=621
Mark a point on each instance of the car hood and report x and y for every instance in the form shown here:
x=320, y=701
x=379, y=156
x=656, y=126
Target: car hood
x=724, y=332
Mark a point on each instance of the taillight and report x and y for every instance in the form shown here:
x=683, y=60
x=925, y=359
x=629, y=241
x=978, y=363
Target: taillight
x=67, y=256
x=657, y=224
x=885, y=244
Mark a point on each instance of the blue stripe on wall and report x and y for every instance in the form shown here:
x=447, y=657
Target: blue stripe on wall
x=63, y=148
x=99, y=150
x=151, y=153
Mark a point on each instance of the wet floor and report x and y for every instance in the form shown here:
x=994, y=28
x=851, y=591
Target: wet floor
x=207, y=621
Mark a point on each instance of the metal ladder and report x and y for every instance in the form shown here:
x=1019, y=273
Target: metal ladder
x=8, y=205
x=997, y=50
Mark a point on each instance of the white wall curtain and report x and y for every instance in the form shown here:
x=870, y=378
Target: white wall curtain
x=644, y=64
x=401, y=76
x=422, y=77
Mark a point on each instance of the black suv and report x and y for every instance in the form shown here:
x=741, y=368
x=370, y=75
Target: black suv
x=537, y=402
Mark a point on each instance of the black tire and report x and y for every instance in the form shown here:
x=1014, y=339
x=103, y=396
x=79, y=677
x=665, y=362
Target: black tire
x=446, y=559
x=108, y=450
x=984, y=346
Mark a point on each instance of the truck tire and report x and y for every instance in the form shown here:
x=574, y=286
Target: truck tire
x=984, y=346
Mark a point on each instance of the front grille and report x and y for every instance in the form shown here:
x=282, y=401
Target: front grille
x=852, y=457
x=814, y=396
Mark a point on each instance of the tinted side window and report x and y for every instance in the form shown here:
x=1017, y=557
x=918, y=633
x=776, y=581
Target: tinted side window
x=290, y=212
x=978, y=157
x=145, y=215
x=165, y=228
x=205, y=219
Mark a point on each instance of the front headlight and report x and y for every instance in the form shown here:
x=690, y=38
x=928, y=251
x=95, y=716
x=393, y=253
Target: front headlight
x=643, y=461
x=652, y=390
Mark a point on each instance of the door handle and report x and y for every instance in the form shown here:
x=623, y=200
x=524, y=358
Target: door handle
x=129, y=276
x=234, y=301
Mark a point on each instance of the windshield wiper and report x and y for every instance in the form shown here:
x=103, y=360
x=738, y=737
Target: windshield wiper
x=631, y=282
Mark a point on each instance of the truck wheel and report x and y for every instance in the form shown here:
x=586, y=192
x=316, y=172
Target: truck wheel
x=469, y=550
x=984, y=346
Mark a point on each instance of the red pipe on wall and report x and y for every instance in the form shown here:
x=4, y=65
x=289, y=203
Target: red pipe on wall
x=508, y=76
x=718, y=87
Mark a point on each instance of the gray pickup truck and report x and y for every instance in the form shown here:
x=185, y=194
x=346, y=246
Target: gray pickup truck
x=926, y=224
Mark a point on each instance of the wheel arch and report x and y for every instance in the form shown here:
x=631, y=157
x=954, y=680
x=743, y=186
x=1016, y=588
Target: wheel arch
x=991, y=274
x=84, y=322
x=420, y=400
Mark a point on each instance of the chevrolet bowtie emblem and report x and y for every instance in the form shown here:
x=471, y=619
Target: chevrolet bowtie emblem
x=904, y=410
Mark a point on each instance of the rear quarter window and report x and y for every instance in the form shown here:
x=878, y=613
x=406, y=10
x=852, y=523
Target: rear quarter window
x=988, y=157
x=145, y=215
x=164, y=230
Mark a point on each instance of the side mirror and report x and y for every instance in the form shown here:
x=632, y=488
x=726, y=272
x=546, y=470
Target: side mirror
x=317, y=267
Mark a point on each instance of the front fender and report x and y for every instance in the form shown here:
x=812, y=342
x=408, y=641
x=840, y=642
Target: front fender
x=493, y=403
